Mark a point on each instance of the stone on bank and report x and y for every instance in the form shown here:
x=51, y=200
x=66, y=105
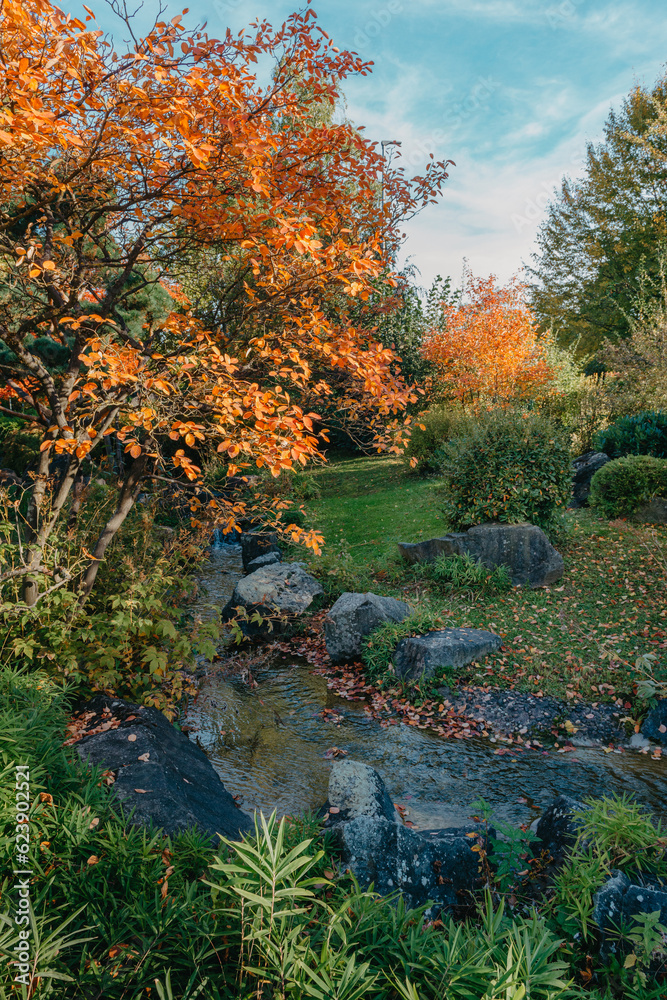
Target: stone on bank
x=523, y=548
x=353, y=617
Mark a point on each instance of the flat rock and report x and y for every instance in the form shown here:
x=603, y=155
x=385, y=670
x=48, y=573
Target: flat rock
x=280, y=589
x=355, y=790
x=161, y=777
x=353, y=617
x=268, y=559
x=423, y=655
x=523, y=548
x=583, y=469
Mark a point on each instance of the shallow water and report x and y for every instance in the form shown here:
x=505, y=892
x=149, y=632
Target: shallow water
x=268, y=745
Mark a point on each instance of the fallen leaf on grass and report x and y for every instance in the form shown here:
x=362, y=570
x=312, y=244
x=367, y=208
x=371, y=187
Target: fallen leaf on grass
x=93, y=859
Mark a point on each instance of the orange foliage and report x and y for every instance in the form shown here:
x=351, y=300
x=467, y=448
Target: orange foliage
x=486, y=349
x=114, y=167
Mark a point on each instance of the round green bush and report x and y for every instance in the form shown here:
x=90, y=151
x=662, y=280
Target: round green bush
x=508, y=466
x=623, y=485
x=430, y=434
x=641, y=434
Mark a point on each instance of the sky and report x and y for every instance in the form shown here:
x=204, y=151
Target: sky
x=511, y=90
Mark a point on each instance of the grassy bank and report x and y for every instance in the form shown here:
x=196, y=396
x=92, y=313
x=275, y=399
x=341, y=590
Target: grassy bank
x=579, y=639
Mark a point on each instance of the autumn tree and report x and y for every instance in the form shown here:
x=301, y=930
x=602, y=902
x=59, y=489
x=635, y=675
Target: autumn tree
x=484, y=347
x=115, y=168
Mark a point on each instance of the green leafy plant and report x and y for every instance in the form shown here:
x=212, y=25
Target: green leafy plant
x=465, y=573
x=612, y=833
x=639, y=434
x=623, y=485
x=509, y=466
x=623, y=829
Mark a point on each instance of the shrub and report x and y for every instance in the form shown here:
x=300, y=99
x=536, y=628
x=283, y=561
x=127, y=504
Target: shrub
x=641, y=434
x=621, y=486
x=508, y=466
x=430, y=434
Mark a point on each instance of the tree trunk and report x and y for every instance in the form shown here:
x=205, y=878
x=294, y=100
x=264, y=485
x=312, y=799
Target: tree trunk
x=128, y=495
x=40, y=530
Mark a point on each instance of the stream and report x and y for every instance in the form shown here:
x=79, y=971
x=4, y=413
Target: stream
x=268, y=745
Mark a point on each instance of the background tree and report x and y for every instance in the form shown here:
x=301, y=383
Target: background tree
x=606, y=229
x=117, y=168
x=485, y=348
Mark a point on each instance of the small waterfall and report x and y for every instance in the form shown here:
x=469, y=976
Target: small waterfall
x=219, y=539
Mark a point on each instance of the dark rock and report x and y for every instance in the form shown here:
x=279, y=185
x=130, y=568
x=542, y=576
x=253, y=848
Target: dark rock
x=523, y=548
x=653, y=512
x=355, y=790
x=395, y=858
x=422, y=655
x=429, y=550
x=608, y=908
x=555, y=829
x=353, y=617
x=276, y=592
x=175, y=787
x=257, y=543
x=268, y=559
x=618, y=903
x=654, y=726
x=584, y=468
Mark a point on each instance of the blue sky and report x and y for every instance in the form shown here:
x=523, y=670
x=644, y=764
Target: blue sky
x=510, y=90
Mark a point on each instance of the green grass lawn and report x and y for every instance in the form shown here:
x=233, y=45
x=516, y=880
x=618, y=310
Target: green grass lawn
x=577, y=639
x=373, y=503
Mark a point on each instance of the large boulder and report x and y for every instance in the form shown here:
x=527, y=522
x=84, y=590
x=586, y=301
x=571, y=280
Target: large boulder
x=441, y=870
x=160, y=776
x=355, y=790
x=654, y=726
x=257, y=543
x=423, y=655
x=394, y=858
x=523, y=548
x=583, y=469
x=279, y=591
x=353, y=617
